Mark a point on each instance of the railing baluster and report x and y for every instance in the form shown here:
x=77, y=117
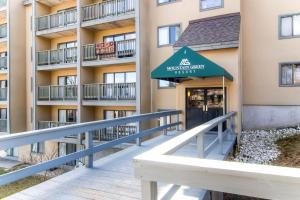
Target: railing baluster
x=89, y=145
x=200, y=145
x=220, y=137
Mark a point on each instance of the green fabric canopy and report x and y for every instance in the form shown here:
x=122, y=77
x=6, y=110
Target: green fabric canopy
x=185, y=64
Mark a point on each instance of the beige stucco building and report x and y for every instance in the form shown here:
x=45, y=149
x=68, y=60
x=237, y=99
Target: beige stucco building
x=75, y=61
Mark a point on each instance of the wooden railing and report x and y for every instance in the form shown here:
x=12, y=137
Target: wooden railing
x=260, y=181
x=3, y=125
x=3, y=94
x=3, y=31
x=31, y=137
x=107, y=9
x=109, y=91
x=58, y=20
x=124, y=49
x=58, y=56
x=57, y=93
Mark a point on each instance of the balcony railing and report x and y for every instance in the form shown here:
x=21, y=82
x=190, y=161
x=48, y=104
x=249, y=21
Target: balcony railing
x=59, y=56
x=3, y=125
x=52, y=124
x=114, y=133
x=57, y=93
x=126, y=48
x=3, y=31
x=58, y=20
x=107, y=9
x=3, y=3
x=109, y=91
x=3, y=94
x=3, y=63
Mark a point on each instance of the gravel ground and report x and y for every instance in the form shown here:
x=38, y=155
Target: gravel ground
x=259, y=146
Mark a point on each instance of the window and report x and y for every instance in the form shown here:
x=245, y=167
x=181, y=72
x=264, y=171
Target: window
x=119, y=37
x=67, y=45
x=290, y=74
x=159, y=2
x=168, y=35
x=166, y=84
x=67, y=115
x=290, y=26
x=120, y=77
x=210, y=4
x=37, y=147
x=3, y=113
x=67, y=80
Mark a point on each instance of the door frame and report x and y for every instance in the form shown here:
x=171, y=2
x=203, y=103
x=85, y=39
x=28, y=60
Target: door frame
x=211, y=87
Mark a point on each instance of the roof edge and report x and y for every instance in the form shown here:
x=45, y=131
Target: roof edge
x=215, y=17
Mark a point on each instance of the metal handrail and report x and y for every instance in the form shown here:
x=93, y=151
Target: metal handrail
x=107, y=9
x=109, y=91
x=124, y=49
x=58, y=93
x=57, y=56
x=25, y=138
x=57, y=20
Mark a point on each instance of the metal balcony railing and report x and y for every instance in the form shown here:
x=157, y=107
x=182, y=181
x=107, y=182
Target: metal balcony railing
x=3, y=94
x=107, y=9
x=114, y=133
x=3, y=125
x=126, y=48
x=58, y=20
x=3, y=31
x=57, y=93
x=3, y=63
x=52, y=124
x=3, y=3
x=109, y=91
x=59, y=56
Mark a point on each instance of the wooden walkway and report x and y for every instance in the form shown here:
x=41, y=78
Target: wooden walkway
x=112, y=177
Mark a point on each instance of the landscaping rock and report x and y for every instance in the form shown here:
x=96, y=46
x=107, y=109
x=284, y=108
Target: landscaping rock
x=259, y=146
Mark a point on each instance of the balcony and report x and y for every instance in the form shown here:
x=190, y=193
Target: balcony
x=3, y=33
x=109, y=14
x=114, y=133
x=109, y=94
x=124, y=53
x=57, y=25
x=57, y=59
x=57, y=95
x=3, y=125
x=3, y=95
x=3, y=64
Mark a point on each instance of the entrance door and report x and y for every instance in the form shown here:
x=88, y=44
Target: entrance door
x=203, y=105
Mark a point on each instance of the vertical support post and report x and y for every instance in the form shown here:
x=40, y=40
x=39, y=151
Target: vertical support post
x=89, y=145
x=138, y=140
x=220, y=137
x=232, y=124
x=149, y=190
x=165, y=122
x=177, y=120
x=216, y=195
x=200, y=145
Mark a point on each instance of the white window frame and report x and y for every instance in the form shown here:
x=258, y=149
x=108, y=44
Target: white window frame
x=167, y=26
x=280, y=26
x=212, y=8
x=280, y=74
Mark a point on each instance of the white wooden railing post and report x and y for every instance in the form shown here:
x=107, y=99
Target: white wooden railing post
x=149, y=190
x=220, y=137
x=89, y=145
x=200, y=145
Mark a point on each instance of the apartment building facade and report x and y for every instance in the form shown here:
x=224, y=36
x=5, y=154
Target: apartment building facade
x=85, y=60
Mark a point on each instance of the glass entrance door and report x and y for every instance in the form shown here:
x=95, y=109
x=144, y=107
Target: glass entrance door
x=203, y=105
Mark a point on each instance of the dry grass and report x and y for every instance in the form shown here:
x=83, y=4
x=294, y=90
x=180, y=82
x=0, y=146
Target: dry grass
x=19, y=185
x=290, y=152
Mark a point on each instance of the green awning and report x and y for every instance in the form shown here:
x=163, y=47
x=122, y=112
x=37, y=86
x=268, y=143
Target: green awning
x=185, y=64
